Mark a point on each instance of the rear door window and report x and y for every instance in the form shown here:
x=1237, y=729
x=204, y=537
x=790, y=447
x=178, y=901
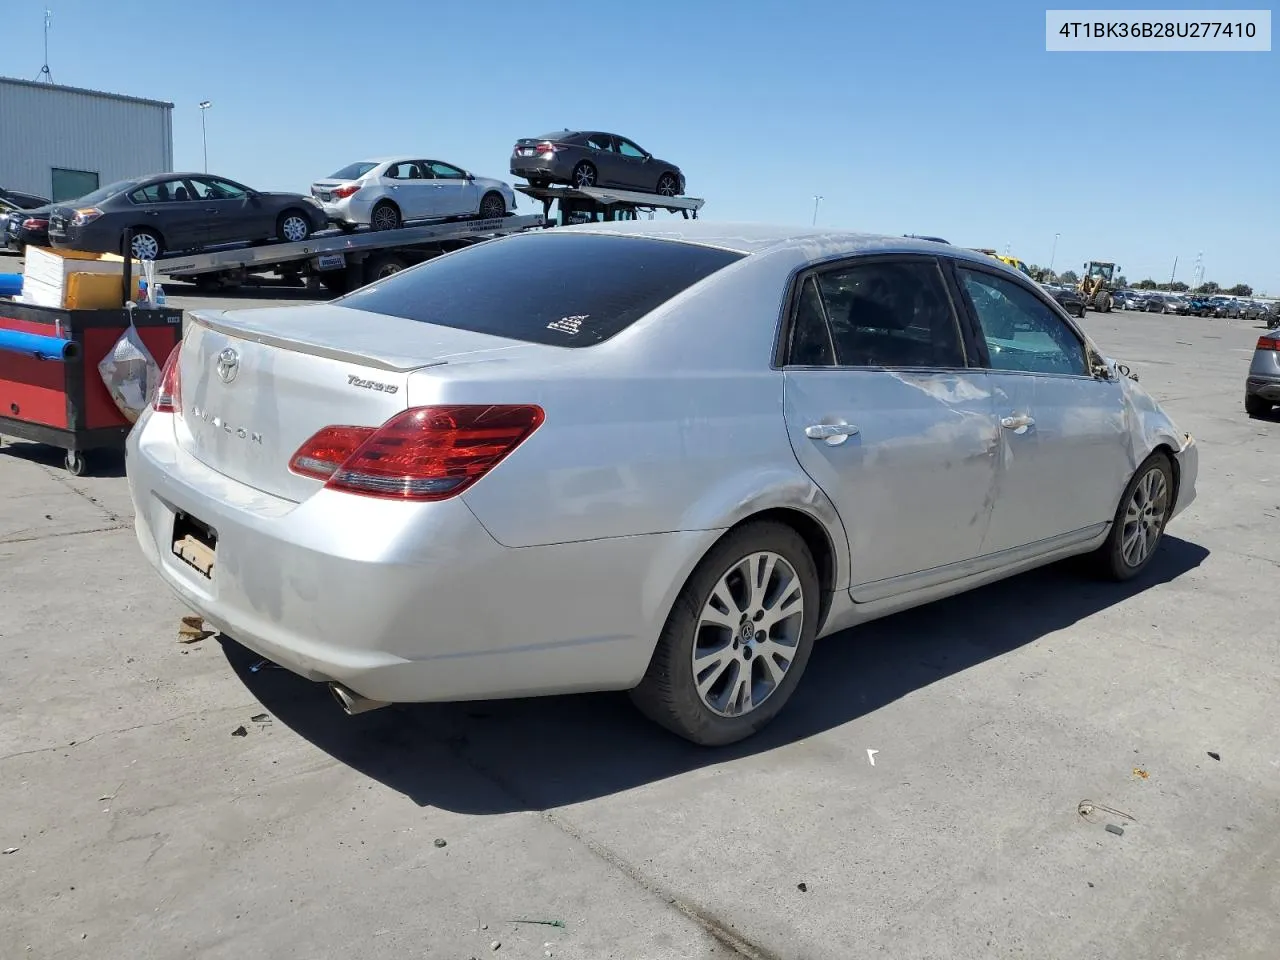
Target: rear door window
x=562, y=289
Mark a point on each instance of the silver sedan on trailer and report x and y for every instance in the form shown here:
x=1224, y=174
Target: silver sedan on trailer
x=637, y=457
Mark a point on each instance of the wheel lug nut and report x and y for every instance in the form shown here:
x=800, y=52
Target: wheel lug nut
x=759, y=616
x=760, y=637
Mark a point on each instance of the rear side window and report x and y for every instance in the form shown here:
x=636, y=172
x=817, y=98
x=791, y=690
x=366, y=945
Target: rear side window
x=562, y=289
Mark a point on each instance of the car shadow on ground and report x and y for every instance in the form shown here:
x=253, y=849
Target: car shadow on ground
x=98, y=463
x=541, y=753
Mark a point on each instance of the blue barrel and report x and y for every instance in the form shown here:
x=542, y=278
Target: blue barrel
x=10, y=284
x=34, y=345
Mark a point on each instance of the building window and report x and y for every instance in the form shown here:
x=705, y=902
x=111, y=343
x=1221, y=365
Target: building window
x=72, y=184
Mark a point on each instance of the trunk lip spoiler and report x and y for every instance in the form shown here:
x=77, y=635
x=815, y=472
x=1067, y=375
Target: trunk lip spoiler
x=213, y=320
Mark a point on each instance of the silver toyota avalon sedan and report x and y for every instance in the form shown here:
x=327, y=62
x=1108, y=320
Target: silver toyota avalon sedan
x=637, y=457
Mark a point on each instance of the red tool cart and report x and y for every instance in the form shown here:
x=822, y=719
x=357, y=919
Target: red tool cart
x=50, y=388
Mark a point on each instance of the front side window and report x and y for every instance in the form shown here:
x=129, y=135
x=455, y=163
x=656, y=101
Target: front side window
x=222, y=189
x=549, y=287
x=629, y=149
x=889, y=313
x=1021, y=331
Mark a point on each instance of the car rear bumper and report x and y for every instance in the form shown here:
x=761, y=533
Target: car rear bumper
x=1188, y=459
x=403, y=602
x=532, y=168
x=350, y=210
x=1268, y=388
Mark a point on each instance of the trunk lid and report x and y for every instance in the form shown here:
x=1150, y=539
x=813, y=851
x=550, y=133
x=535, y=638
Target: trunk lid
x=256, y=384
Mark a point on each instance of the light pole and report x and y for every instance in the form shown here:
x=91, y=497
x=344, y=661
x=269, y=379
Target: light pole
x=816, y=200
x=204, y=131
x=1053, y=256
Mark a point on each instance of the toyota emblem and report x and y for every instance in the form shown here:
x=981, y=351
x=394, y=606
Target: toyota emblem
x=228, y=365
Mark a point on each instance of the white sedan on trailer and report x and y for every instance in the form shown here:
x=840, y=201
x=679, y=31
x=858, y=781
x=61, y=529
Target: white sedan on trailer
x=386, y=193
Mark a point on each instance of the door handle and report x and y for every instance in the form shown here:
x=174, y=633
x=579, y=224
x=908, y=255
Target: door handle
x=1018, y=423
x=210, y=209
x=832, y=433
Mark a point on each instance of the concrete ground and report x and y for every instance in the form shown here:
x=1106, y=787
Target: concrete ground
x=163, y=799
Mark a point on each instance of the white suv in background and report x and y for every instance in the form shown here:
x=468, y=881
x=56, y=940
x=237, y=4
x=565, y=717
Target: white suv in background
x=386, y=193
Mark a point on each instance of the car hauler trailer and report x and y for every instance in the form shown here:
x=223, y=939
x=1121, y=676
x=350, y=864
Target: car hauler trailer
x=342, y=261
x=338, y=261
x=588, y=204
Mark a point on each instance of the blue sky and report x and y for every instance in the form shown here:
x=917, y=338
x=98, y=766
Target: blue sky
x=940, y=118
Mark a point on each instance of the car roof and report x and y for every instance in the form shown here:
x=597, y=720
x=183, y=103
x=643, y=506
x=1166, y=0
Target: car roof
x=751, y=238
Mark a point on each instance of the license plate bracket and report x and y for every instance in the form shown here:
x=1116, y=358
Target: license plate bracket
x=195, y=544
x=331, y=261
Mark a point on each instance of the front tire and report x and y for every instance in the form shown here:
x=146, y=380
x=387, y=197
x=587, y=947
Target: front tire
x=385, y=216
x=1139, y=522
x=737, y=639
x=668, y=185
x=492, y=206
x=292, y=226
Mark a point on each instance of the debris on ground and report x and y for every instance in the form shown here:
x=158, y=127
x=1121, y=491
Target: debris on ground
x=802, y=887
x=192, y=630
x=1087, y=809
x=1139, y=772
x=441, y=842
x=495, y=945
x=871, y=755
x=542, y=923
x=265, y=664
x=1112, y=828
x=240, y=732
x=1214, y=755
x=9, y=850
x=260, y=718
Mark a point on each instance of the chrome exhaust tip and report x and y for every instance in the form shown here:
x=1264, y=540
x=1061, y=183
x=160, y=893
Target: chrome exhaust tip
x=351, y=702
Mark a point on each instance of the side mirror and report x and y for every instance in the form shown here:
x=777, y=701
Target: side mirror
x=469, y=175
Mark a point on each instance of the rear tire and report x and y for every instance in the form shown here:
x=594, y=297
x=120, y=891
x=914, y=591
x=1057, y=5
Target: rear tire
x=742, y=671
x=146, y=245
x=381, y=266
x=1138, y=525
x=1256, y=406
x=584, y=175
x=385, y=216
x=336, y=282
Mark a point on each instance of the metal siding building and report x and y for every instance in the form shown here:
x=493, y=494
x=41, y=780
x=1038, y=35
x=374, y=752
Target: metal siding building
x=55, y=140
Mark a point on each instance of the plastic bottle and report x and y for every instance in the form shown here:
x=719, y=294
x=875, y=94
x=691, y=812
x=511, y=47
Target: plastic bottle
x=160, y=298
x=144, y=300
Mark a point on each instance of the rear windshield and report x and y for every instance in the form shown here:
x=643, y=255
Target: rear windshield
x=353, y=171
x=563, y=289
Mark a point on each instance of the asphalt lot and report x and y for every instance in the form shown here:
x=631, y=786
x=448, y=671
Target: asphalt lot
x=144, y=828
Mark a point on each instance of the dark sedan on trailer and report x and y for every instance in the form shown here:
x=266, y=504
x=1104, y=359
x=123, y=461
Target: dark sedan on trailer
x=21, y=228
x=179, y=213
x=1068, y=297
x=593, y=159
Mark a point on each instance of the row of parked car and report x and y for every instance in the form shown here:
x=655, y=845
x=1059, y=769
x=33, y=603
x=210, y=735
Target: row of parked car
x=1194, y=305
x=182, y=212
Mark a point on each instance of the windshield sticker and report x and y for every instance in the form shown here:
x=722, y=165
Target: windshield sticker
x=568, y=324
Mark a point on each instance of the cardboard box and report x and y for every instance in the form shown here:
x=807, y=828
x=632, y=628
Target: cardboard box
x=45, y=279
x=98, y=291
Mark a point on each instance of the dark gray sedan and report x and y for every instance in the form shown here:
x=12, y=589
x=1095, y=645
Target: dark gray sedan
x=1262, y=388
x=181, y=212
x=594, y=159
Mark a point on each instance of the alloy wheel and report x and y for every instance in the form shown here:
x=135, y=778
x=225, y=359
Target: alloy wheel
x=294, y=228
x=1144, y=517
x=748, y=633
x=145, y=247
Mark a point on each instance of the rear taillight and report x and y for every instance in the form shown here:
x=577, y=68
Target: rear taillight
x=168, y=397
x=1268, y=343
x=424, y=453
x=351, y=189
x=34, y=224
x=546, y=146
